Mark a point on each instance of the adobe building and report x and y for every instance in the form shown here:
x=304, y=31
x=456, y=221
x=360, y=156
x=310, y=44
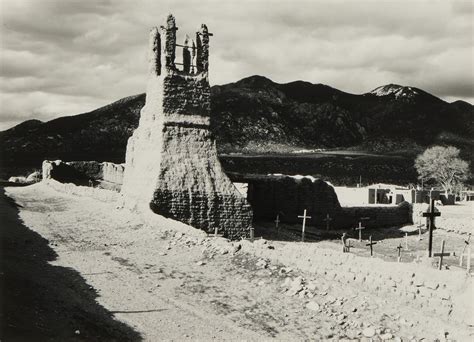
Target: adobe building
x=171, y=160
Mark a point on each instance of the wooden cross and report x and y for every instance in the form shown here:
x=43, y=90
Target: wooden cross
x=431, y=215
x=399, y=252
x=345, y=246
x=466, y=245
x=419, y=232
x=360, y=231
x=370, y=244
x=304, y=217
x=442, y=254
x=328, y=220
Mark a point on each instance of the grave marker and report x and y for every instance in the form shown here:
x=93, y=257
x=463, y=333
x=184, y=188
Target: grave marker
x=328, y=220
x=399, y=252
x=304, y=217
x=419, y=232
x=360, y=231
x=431, y=214
x=466, y=245
x=442, y=254
x=345, y=246
x=370, y=244
x=252, y=232
x=406, y=240
x=277, y=221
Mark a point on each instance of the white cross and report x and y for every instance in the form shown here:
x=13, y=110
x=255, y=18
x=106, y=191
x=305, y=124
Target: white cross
x=277, y=221
x=304, y=217
x=360, y=231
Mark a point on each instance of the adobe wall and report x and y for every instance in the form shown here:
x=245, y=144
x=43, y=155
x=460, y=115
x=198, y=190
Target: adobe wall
x=81, y=172
x=171, y=160
x=289, y=196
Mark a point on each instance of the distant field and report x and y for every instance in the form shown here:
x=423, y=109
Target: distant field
x=338, y=167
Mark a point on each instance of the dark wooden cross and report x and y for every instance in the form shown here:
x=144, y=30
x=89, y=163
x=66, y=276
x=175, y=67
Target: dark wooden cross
x=431, y=214
x=442, y=254
x=360, y=231
x=328, y=220
x=370, y=244
x=399, y=252
x=304, y=217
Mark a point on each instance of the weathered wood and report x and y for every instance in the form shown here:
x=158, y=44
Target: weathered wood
x=370, y=244
x=328, y=220
x=304, y=217
x=443, y=254
x=399, y=252
x=431, y=215
x=360, y=231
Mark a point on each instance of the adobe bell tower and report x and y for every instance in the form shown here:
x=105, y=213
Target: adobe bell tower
x=171, y=161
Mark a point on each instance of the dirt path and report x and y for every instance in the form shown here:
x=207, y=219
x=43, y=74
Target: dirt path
x=166, y=285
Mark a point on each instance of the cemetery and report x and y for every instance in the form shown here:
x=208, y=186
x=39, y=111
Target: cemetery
x=284, y=256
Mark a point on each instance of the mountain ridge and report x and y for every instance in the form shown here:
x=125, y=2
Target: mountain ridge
x=255, y=114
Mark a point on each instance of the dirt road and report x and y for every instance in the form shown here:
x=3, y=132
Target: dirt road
x=107, y=274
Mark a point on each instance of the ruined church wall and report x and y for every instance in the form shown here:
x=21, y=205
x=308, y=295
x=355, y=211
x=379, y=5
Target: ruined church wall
x=289, y=197
x=80, y=172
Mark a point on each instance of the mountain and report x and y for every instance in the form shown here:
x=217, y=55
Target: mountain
x=256, y=114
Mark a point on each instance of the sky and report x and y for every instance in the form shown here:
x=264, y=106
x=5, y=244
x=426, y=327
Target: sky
x=66, y=57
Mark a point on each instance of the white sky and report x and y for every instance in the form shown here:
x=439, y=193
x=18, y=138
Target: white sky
x=64, y=57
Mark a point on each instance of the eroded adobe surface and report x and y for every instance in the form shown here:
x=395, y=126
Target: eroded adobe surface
x=171, y=160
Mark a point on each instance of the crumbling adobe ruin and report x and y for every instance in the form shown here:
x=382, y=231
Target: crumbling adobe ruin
x=171, y=159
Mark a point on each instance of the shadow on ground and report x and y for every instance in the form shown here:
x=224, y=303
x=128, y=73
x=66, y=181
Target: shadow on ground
x=292, y=232
x=42, y=302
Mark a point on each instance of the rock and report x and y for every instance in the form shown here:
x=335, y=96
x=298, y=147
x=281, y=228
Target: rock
x=34, y=177
x=311, y=286
x=200, y=263
x=312, y=306
x=17, y=180
x=368, y=332
x=77, y=332
x=386, y=336
x=261, y=263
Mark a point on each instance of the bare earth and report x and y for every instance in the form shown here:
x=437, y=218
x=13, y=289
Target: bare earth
x=108, y=274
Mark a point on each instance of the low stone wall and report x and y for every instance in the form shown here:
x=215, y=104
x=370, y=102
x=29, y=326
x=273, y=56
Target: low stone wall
x=289, y=197
x=443, y=293
x=377, y=216
x=82, y=172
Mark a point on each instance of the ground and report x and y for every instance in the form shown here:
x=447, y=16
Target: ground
x=75, y=268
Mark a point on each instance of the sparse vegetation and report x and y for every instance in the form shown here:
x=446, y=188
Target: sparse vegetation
x=442, y=165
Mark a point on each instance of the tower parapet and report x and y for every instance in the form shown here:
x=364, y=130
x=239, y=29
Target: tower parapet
x=171, y=161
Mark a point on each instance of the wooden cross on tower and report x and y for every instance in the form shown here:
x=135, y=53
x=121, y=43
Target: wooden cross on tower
x=360, y=231
x=328, y=220
x=370, y=244
x=431, y=214
x=304, y=217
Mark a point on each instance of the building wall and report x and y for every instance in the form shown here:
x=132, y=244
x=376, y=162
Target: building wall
x=171, y=159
